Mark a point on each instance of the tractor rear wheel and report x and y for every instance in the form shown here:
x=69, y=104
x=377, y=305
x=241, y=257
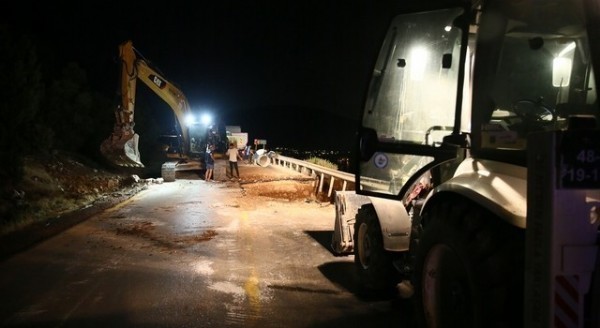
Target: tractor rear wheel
x=469, y=268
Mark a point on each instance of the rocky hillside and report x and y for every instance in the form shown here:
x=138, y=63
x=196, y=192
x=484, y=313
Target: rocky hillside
x=56, y=184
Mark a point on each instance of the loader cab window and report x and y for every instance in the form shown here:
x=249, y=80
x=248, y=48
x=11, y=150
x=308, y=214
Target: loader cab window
x=543, y=75
x=412, y=97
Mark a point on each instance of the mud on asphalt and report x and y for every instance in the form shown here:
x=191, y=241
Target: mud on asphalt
x=271, y=183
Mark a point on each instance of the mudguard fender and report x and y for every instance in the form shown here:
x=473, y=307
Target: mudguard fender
x=395, y=223
x=393, y=218
x=499, y=187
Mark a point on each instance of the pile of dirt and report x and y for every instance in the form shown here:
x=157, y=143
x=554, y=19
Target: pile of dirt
x=276, y=182
x=289, y=190
x=59, y=183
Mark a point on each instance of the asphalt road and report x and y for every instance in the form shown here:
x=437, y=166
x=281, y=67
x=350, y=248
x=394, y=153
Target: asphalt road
x=191, y=253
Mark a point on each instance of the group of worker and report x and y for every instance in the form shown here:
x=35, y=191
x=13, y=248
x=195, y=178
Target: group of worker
x=233, y=154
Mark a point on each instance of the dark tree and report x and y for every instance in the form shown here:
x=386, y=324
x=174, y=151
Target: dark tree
x=21, y=92
x=68, y=108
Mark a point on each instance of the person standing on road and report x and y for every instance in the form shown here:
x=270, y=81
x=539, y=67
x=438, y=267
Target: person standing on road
x=233, y=154
x=210, y=163
x=247, y=154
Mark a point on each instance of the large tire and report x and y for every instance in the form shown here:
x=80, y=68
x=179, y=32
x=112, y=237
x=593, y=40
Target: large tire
x=469, y=269
x=376, y=273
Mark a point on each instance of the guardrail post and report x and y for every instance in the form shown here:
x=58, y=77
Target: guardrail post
x=321, y=182
x=331, y=182
x=315, y=171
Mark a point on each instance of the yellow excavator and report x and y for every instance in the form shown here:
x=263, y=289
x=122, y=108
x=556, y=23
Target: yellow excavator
x=121, y=147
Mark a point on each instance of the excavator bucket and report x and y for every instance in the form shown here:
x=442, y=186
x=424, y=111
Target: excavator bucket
x=122, y=150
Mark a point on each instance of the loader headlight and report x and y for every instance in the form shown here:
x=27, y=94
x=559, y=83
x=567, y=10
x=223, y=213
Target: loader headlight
x=561, y=71
x=419, y=57
x=561, y=66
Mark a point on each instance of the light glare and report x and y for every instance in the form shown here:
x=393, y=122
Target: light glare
x=206, y=119
x=189, y=119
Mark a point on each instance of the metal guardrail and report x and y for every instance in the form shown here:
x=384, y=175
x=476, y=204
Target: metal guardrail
x=311, y=169
x=314, y=170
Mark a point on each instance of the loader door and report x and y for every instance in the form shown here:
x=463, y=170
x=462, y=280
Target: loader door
x=414, y=101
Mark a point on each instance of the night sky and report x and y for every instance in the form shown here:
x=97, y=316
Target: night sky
x=294, y=73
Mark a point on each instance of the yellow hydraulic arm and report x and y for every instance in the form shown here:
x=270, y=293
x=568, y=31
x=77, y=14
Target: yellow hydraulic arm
x=121, y=148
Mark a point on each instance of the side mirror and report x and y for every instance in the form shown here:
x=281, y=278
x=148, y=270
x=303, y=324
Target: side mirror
x=367, y=144
x=447, y=61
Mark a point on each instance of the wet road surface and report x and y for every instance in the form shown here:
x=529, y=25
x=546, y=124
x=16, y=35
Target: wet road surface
x=191, y=253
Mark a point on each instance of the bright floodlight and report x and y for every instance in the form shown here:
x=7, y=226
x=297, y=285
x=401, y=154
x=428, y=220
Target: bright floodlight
x=189, y=120
x=206, y=119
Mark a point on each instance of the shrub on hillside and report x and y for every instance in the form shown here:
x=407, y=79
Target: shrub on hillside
x=322, y=162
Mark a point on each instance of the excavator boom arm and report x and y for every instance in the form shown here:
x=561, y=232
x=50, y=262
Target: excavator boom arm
x=167, y=92
x=121, y=148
